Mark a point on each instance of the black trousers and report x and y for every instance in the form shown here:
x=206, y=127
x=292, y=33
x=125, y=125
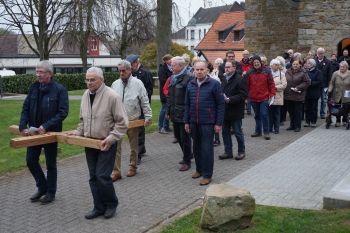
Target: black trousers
x=295, y=110
x=184, y=140
x=100, y=164
x=311, y=110
x=44, y=184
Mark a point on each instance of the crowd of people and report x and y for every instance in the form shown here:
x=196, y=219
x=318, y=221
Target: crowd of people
x=200, y=99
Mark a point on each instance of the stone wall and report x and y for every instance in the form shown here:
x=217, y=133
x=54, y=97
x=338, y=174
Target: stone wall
x=273, y=26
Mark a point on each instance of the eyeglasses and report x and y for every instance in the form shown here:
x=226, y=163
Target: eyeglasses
x=92, y=80
x=121, y=71
x=228, y=67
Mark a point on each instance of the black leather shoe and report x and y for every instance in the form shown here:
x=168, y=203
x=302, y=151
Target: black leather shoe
x=290, y=128
x=255, y=135
x=48, y=198
x=240, y=156
x=297, y=130
x=185, y=167
x=93, y=214
x=36, y=196
x=110, y=212
x=225, y=156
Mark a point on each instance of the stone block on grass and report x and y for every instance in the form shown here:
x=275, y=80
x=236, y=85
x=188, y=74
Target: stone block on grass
x=226, y=207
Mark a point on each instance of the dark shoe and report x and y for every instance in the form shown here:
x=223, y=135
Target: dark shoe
x=175, y=141
x=307, y=124
x=322, y=117
x=297, y=130
x=184, y=167
x=182, y=162
x=254, y=135
x=276, y=132
x=36, y=197
x=205, y=181
x=313, y=125
x=290, y=128
x=216, y=143
x=116, y=176
x=267, y=137
x=48, y=198
x=131, y=172
x=93, y=214
x=225, y=156
x=240, y=156
x=139, y=160
x=196, y=175
x=110, y=212
x=249, y=113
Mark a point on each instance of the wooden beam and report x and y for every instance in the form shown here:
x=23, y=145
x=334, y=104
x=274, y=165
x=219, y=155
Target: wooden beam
x=32, y=140
x=79, y=141
x=136, y=123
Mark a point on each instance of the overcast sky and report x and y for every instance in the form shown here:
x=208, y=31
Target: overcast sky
x=188, y=8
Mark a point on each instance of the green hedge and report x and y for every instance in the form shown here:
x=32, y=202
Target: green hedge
x=20, y=83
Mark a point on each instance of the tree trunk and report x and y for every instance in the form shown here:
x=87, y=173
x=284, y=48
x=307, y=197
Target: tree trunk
x=164, y=22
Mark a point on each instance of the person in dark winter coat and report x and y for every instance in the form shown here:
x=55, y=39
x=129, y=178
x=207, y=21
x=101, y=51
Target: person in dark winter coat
x=313, y=93
x=204, y=115
x=345, y=57
x=235, y=89
x=44, y=109
x=230, y=56
x=325, y=66
x=294, y=94
x=176, y=108
x=164, y=72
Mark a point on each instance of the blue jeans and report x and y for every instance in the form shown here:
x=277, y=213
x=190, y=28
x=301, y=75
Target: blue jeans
x=275, y=115
x=100, y=164
x=324, y=97
x=162, y=121
x=203, y=148
x=249, y=105
x=48, y=184
x=261, y=116
x=226, y=135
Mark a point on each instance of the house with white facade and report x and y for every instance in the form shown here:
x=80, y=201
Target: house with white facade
x=191, y=35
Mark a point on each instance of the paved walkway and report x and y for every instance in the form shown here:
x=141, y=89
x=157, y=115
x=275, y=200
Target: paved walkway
x=302, y=173
x=157, y=192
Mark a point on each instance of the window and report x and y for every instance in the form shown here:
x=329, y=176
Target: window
x=238, y=35
x=192, y=48
x=200, y=34
x=192, y=34
x=223, y=34
x=93, y=44
x=187, y=34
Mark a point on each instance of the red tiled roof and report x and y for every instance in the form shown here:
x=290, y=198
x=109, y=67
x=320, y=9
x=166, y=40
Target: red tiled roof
x=211, y=40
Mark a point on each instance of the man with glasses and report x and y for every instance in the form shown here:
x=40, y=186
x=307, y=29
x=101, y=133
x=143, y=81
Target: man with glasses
x=135, y=100
x=230, y=56
x=235, y=90
x=44, y=109
x=102, y=116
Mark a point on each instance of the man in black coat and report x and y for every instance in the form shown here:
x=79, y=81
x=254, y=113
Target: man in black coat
x=235, y=90
x=230, y=56
x=176, y=108
x=164, y=72
x=345, y=57
x=325, y=66
x=146, y=77
x=44, y=109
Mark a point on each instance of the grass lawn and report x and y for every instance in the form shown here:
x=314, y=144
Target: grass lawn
x=14, y=159
x=273, y=219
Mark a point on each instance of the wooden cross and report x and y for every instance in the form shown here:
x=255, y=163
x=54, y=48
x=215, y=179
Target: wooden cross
x=61, y=137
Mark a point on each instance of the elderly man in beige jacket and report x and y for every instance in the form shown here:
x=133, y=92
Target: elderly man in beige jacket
x=102, y=116
x=135, y=99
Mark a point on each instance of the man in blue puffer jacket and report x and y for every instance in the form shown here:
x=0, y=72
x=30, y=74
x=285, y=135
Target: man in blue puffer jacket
x=204, y=114
x=44, y=109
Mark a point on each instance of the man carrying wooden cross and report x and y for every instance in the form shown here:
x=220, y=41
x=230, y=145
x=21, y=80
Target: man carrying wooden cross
x=135, y=99
x=44, y=109
x=102, y=116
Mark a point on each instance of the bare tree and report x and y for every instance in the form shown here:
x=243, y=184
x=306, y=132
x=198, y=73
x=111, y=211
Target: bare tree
x=136, y=23
x=46, y=20
x=164, y=22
